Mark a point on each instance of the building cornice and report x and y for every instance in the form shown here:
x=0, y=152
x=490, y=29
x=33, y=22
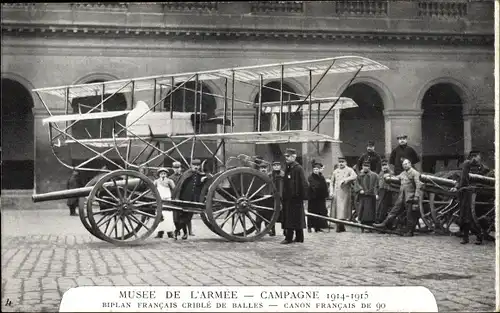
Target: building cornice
x=197, y=33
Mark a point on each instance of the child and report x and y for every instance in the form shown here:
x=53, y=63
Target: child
x=165, y=187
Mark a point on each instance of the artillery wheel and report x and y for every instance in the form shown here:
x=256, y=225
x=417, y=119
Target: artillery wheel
x=82, y=208
x=426, y=211
x=134, y=211
x=445, y=213
x=484, y=217
x=239, y=193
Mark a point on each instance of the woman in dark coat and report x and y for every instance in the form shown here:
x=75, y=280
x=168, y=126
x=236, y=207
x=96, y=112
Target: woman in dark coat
x=318, y=192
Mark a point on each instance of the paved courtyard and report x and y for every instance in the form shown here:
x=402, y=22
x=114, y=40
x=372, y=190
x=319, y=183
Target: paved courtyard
x=44, y=253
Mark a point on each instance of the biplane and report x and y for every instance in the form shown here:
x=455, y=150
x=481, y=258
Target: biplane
x=123, y=205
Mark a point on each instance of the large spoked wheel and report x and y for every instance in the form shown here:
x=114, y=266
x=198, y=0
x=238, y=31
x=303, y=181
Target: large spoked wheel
x=238, y=200
x=445, y=213
x=129, y=210
x=483, y=213
x=426, y=212
x=82, y=207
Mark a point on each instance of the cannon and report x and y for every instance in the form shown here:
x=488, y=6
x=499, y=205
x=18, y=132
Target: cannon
x=439, y=207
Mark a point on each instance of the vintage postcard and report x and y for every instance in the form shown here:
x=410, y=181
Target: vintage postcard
x=263, y=156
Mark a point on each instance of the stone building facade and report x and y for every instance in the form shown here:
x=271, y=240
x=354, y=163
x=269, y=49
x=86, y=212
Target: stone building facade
x=439, y=89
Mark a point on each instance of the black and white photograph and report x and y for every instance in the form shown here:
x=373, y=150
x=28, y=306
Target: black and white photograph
x=254, y=143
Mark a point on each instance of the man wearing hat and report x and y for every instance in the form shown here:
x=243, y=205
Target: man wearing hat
x=402, y=151
x=366, y=189
x=165, y=186
x=371, y=157
x=467, y=225
x=409, y=194
x=317, y=194
x=277, y=175
x=177, y=172
x=294, y=193
x=340, y=191
x=385, y=192
x=190, y=190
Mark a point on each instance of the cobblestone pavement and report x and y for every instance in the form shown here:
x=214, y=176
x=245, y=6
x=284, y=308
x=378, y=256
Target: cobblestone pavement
x=46, y=253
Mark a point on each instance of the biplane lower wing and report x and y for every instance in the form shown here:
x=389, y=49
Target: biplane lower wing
x=84, y=116
x=288, y=136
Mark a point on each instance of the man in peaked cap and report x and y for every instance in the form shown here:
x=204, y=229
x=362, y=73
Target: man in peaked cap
x=340, y=192
x=466, y=222
x=190, y=190
x=295, y=188
x=177, y=172
x=366, y=188
x=403, y=151
x=385, y=192
x=372, y=157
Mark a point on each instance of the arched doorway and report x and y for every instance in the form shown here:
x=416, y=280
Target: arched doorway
x=442, y=128
x=362, y=124
x=17, y=137
x=274, y=151
x=184, y=100
x=95, y=129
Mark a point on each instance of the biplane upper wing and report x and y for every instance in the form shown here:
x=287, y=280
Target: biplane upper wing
x=343, y=64
x=323, y=104
x=84, y=116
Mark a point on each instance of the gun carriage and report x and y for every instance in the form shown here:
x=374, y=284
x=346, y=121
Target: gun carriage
x=439, y=207
x=123, y=206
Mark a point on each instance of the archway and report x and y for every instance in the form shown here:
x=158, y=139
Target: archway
x=95, y=129
x=362, y=124
x=184, y=100
x=17, y=137
x=272, y=151
x=442, y=128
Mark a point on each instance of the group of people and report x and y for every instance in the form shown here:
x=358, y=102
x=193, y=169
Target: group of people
x=192, y=182
x=365, y=184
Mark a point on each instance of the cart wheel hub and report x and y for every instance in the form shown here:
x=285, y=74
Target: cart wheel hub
x=243, y=205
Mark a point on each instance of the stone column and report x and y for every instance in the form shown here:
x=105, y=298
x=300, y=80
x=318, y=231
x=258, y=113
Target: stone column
x=407, y=122
x=479, y=132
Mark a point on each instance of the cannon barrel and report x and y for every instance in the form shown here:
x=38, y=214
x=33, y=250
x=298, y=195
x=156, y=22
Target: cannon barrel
x=79, y=192
x=485, y=180
x=426, y=178
x=391, y=179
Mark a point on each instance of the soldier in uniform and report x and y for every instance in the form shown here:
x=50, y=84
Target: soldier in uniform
x=467, y=225
x=294, y=193
x=403, y=151
x=371, y=157
x=366, y=188
x=409, y=194
x=190, y=191
x=385, y=193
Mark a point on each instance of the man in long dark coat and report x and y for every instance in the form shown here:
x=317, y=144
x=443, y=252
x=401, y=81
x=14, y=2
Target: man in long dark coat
x=403, y=151
x=294, y=193
x=466, y=222
x=371, y=157
x=316, y=204
x=190, y=191
x=385, y=193
x=366, y=189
